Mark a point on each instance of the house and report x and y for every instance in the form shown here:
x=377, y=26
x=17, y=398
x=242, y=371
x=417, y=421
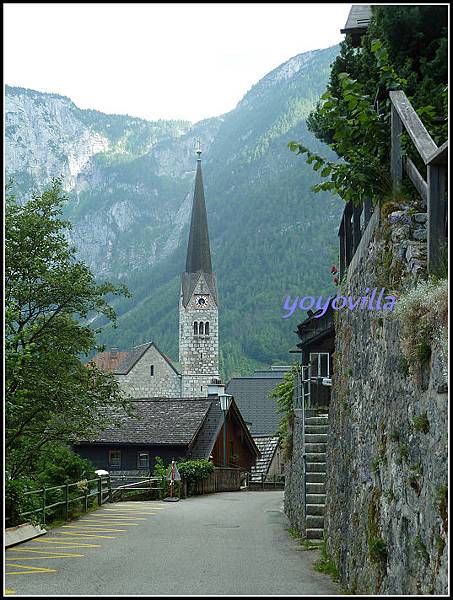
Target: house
x=172, y=428
x=317, y=345
x=270, y=465
x=253, y=396
x=357, y=23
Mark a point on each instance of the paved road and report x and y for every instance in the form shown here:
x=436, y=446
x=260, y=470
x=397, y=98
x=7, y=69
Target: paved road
x=228, y=543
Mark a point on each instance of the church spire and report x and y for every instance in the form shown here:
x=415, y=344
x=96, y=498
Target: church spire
x=198, y=250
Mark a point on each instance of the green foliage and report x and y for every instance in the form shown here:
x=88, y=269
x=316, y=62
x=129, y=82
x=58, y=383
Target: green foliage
x=58, y=465
x=347, y=116
x=16, y=502
x=442, y=504
x=377, y=549
x=395, y=436
x=421, y=422
x=50, y=395
x=423, y=314
x=420, y=549
x=195, y=470
x=160, y=471
x=326, y=563
x=403, y=451
x=284, y=393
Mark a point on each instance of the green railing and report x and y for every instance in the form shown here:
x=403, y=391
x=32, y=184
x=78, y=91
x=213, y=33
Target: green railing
x=101, y=485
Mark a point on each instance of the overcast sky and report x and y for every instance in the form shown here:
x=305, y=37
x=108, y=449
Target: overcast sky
x=180, y=61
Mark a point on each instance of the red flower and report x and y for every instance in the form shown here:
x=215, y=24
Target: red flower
x=335, y=280
x=333, y=269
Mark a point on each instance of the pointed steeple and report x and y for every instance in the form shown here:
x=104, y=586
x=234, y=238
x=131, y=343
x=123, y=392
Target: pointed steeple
x=198, y=250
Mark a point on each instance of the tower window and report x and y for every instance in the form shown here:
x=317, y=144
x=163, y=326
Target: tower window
x=151, y=370
x=200, y=328
x=206, y=328
x=195, y=328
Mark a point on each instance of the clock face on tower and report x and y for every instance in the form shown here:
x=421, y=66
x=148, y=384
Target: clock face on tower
x=201, y=302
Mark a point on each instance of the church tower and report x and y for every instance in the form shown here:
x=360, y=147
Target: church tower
x=198, y=304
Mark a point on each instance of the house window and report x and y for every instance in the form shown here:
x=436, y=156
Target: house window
x=143, y=460
x=115, y=459
x=200, y=328
x=151, y=370
x=206, y=328
x=195, y=328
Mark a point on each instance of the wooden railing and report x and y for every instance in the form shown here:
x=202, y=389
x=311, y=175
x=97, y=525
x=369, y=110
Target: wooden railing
x=102, y=489
x=353, y=224
x=433, y=190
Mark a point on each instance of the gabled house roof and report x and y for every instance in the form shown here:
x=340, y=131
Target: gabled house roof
x=120, y=363
x=191, y=422
x=267, y=445
x=161, y=421
x=109, y=360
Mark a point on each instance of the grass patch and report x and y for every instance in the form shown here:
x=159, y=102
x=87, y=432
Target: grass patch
x=421, y=423
x=326, y=564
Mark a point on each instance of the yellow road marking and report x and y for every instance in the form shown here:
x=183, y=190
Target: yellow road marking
x=104, y=522
x=43, y=552
x=100, y=528
x=43, y=557
x=87, y=535
x=69, y=544
x=113, y=518
x=9, y=591
x=131, y=512
x=137, y=508
x=31, y=570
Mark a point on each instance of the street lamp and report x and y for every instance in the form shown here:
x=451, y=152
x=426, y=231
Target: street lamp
x=225, y=401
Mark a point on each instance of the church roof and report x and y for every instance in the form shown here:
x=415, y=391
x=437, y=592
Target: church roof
x=189, y=282
x=109, y=360
x=135, y=355
x=198, y=251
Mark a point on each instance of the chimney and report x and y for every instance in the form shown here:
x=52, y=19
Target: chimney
x=216, y=388
x=113, y=352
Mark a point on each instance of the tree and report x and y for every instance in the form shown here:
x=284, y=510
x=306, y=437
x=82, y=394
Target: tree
x=50, y=297
x=405, y=48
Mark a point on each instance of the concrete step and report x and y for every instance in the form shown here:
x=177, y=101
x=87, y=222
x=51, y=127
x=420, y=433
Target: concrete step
x=315, y=509
x=316, y=488
x=316, y=438
x=314, y=533
x=316, y=429
x=314, y=467
x=314, y=521
x=314, y=477
x=318, y=457
x=316, y=498
x=317, y=421
x=317, y=447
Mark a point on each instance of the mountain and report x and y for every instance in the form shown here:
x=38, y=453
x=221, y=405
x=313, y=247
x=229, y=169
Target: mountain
x=130, y=184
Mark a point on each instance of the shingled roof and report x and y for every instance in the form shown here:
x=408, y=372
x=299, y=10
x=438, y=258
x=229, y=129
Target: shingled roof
x=198, y=251
x=267, y=445
x=109, y=360
x=163, y=421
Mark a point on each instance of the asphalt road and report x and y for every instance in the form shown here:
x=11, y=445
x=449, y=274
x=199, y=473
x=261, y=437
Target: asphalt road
x=230, y=543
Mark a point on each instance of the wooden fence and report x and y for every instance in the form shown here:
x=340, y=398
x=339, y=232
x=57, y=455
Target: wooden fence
x=223, y=479
x=355, y=220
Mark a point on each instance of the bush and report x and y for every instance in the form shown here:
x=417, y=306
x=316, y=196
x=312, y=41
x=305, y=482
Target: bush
x=16, y=502
x=423, y=314
x=195, y=470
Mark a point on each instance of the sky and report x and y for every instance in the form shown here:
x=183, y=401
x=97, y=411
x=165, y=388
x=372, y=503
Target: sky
x=159, y=61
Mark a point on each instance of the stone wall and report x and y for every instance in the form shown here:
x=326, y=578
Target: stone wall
x=139, y=383
x=294, y=476
x=386, y=505
x=386, y=482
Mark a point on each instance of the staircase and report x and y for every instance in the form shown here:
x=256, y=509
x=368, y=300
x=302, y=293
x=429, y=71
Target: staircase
x=315, y=433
